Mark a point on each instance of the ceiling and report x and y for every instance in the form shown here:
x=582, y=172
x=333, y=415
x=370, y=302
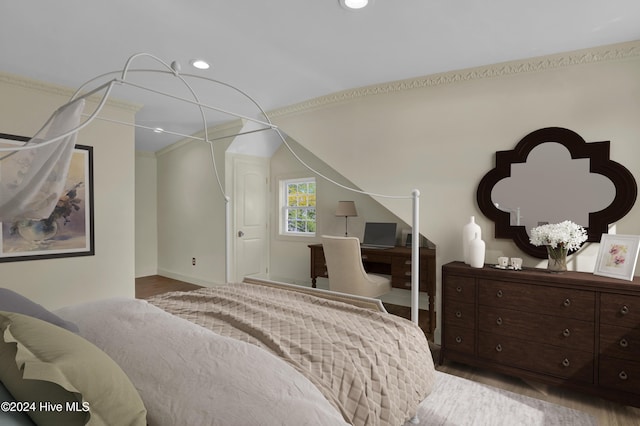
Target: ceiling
x=286, y=51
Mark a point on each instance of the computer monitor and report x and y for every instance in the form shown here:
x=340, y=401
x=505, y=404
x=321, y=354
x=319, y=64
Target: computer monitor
x=379, y=235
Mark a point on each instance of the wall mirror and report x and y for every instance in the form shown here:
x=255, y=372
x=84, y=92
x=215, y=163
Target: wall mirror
x=552, y=175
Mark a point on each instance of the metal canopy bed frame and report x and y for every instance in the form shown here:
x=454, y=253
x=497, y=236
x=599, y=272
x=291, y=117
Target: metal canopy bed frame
x=53, y=145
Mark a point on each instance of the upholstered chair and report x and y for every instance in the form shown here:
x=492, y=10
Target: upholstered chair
x=346, y=271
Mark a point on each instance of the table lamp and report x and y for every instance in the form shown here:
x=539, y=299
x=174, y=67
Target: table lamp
x=346, y=209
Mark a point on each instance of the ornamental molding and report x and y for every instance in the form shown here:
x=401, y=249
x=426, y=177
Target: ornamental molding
x=39, y=86
x=544, y=63
x=226, y=130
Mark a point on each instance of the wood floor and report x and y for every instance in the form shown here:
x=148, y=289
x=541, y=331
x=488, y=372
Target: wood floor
x=607, y=413
x=155, y=284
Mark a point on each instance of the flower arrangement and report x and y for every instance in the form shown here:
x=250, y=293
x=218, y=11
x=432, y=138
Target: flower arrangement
x=559, y=238
x=564, y=234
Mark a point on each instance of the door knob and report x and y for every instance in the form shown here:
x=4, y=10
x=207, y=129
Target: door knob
x=240, y=234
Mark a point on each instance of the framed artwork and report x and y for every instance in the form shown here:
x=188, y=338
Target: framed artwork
x=617, y=256
x=69, y=231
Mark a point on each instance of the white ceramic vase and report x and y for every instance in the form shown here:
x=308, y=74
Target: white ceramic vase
x=469, y=232
x=476, y=252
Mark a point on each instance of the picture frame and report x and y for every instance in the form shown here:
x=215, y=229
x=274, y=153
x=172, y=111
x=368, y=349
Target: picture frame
x=617, y=256
x=69, y=231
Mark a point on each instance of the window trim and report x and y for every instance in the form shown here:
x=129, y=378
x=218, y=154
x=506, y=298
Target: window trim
x=283, y=208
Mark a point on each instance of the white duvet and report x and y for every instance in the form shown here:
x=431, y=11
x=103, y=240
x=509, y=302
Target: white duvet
x=188, y=375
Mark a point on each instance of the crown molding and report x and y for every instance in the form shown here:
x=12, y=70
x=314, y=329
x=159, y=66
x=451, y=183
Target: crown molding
x=607, y=53
x=145, y=154
x=213, y=132
x=53, y=89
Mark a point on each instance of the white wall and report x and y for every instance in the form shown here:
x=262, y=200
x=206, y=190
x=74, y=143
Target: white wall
x=146, y=214
x=25, y=106
x=439, y=134
x=290, y=255
x=190, y=210
x=191, y=219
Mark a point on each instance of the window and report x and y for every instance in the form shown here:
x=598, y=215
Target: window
x=298, y=203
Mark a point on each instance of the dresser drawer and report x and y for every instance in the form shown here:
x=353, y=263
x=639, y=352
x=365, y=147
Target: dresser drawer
x=459, y=288
x=459, y=339
x=620, y=310
x=551, y=360
x=620, y=342
x=546, y=329
x=619, y=375
x=460, y=314
x=561, y=302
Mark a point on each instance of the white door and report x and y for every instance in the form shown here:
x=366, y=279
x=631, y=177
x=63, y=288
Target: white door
x=251, y=218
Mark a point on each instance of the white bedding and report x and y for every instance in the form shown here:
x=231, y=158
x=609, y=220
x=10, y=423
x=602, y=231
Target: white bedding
x=375, y=368
x=217, y=375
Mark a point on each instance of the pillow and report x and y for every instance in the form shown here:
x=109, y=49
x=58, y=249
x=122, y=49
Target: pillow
x=11, y=301
x=12, y=417
x=41, y=362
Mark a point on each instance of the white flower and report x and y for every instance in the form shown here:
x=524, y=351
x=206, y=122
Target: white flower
x=564, y=234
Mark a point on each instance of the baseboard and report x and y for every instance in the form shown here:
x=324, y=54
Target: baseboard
x=188, y=279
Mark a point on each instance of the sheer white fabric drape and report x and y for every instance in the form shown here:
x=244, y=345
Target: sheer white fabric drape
x=32, y=180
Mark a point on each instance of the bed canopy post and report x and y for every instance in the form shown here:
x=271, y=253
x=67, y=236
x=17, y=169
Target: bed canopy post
x=415, y=268
x=227, y=236
x=415, y=257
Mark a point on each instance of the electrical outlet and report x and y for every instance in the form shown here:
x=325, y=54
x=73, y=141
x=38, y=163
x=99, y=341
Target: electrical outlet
x=193, y=261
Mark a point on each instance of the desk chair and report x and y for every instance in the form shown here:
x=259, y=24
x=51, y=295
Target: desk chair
x=346, y=271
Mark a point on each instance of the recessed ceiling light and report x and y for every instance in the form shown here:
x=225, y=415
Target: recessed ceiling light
x=353, y=4
x=200, y=64
x=158, y=130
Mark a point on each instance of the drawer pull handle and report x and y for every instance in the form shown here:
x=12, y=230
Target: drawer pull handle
x=459, y=289
x=458, y=339
x=407, y=273
x=364, y=257
x=499, y=321
x=567, y=303
x=458, y=314
x=498, y=347
x=407, y=262
x=623, y=375
x=566, y=332
x=499, y=293
x=565, y=362
x=624, y=343
x=624, y=310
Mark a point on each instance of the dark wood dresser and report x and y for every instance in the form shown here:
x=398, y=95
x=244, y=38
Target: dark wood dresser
x=573, y=329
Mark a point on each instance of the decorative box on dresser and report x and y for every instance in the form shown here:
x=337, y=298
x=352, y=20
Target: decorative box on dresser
x=573, y=329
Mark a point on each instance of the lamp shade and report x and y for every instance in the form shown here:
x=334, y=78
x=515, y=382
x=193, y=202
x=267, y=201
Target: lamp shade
x=346, y=209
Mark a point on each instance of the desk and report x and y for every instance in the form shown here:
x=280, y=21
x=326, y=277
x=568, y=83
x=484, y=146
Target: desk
x=394, y=261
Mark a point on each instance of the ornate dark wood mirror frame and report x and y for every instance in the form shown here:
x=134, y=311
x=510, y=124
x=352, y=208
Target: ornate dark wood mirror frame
x=599, y=162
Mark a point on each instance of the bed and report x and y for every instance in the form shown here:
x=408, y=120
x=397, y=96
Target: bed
x=248, y=353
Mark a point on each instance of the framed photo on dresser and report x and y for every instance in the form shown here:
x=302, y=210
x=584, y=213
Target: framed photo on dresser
x=617, y=256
